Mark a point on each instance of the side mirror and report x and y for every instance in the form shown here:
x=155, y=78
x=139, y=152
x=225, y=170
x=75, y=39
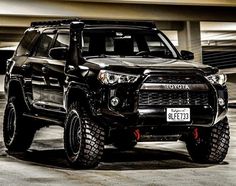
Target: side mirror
x=187, y=55
x=58, y=53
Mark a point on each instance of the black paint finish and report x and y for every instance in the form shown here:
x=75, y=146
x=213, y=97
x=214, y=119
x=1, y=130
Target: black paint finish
x=48, y=86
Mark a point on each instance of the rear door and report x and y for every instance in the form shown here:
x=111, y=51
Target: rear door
x=20, y=62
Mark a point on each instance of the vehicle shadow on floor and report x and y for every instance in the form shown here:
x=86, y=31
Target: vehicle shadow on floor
x=113, y=159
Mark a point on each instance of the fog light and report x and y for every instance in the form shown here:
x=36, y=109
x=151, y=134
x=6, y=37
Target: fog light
x=115, y=101
x=221, y=102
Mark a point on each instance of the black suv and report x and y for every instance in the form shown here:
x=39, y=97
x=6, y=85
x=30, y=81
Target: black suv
x=112, y=82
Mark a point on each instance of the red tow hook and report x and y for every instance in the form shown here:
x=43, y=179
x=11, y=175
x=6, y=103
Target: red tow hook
x=137, y=134
x=196, y=134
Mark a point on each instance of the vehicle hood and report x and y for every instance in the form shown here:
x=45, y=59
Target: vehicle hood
x=148, y=63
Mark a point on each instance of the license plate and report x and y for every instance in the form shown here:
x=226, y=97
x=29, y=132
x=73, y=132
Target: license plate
x=178, y=114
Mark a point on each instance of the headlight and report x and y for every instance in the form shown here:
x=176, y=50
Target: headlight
x=111, y=78
x=217, y=78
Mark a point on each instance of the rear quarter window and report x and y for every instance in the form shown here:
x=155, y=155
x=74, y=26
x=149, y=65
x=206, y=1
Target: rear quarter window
x=27, y=42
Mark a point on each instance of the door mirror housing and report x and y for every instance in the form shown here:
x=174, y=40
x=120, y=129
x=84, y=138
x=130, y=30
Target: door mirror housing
x=58, y=53
x=187, y=55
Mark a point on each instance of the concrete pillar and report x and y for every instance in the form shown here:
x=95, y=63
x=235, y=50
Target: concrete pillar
x=190, y=39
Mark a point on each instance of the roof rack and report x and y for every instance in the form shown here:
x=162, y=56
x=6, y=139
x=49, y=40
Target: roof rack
x=53, y=22
x=92, y=22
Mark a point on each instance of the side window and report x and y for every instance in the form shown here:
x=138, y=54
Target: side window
x=109, y=44
x=62, y=40
x=27, y=42
x=157, y=47
x=85, y=43
x=136, y=50
x=154, y=43
x=44, y=45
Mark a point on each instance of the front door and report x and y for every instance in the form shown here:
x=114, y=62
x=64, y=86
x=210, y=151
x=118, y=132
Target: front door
x=53, y=71
x=37, y=62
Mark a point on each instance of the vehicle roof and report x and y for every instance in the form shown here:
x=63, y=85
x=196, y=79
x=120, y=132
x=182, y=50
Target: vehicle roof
x=94, y=24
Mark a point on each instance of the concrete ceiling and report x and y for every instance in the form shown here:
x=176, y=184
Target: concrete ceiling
x=228, y=3
x=149, y=11
x=15, y=16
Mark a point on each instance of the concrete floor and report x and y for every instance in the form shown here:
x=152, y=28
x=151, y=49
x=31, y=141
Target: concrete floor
x=149, y=164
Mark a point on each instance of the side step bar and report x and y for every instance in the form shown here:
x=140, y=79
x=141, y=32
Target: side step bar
x=47, y=120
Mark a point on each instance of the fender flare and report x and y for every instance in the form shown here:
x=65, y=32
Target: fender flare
x=15, y=88
x=81, y=93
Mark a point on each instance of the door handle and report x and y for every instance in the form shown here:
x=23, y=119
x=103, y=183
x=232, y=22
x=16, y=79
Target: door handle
x=26, y=67
x=44, y=70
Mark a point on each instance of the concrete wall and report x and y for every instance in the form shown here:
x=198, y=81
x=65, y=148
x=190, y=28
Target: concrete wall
x=181, y=15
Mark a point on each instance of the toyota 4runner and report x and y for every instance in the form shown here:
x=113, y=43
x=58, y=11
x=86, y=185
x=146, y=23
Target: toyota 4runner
x=112, y=82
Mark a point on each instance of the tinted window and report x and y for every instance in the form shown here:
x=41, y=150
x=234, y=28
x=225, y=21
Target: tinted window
x=62, y=40
x=44, y=45
x=27, y=43
x=125, y=43
x=85, y=43
x=154, y=43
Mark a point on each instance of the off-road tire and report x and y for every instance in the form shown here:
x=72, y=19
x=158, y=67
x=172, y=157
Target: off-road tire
x=18, y=134
x=212, y=144
x=83, y=138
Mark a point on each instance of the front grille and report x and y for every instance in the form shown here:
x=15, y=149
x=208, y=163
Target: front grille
x=174, y=79
x=150, y=98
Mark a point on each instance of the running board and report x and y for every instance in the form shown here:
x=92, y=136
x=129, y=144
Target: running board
x=48, y=121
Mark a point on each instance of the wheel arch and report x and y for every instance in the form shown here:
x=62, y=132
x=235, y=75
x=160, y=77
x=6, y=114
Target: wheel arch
x=81, y=94
x=15, y=89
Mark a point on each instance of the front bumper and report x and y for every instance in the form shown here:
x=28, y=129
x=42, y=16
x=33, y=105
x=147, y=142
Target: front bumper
x=199, y=116
x=131, y=113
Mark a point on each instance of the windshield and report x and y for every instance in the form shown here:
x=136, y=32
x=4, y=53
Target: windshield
x=126, y=42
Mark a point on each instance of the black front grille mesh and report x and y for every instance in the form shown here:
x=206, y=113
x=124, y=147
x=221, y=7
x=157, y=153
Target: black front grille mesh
x=174, y=79
x=147, y=98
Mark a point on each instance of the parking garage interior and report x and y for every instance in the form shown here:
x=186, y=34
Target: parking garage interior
x=207, y=28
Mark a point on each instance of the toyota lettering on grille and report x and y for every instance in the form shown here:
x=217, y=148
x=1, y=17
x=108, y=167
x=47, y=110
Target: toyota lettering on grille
x=160, y=86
